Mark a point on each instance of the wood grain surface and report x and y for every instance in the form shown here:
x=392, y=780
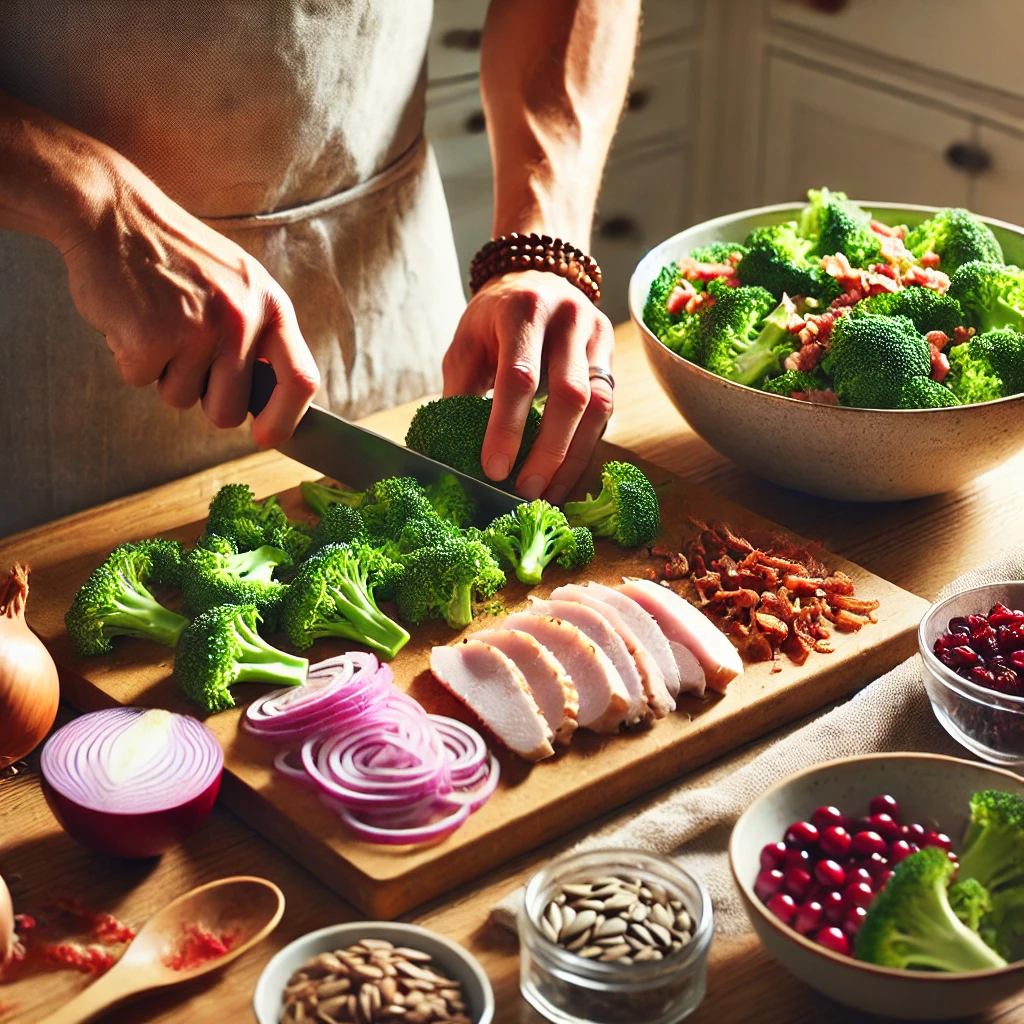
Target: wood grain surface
x=918, y=545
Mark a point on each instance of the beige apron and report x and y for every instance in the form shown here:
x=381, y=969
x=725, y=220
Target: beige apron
x=294, y=127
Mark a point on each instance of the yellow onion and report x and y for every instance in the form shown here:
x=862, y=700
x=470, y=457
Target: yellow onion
x=29, y=688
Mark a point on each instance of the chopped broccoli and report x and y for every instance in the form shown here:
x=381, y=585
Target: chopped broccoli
x=451, y=430
x=339, y=524
x=835, y=224
x=446, y=579
x=872, y=357
x=992, y=294
x=534, y=535
x=227, y=576
x=237, y=516
x=925, y=393
x=656, y=314
x=718, y=252
x=1003, y=926
x=780, y=261
x=743, y=336
x=168, y=558
x=319, y=497
x=970, y=901
x=795, y=382
x=988, y=366
x=993, y=846
x=451, y=501
x=332, y=595
x=925, y=307
x=222, y=647
x=911, y=925
x=625, y=510
x=115, y=601
x=956, y=236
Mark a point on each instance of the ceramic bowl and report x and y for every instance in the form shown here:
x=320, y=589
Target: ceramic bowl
x=987, y=723
x=932, y=789
x=830, y=451
x=450, y=956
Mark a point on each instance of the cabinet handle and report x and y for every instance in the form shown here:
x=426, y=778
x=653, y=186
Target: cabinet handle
x=638, y=99
x=615, y=229
x=476, y=123
x=969, y=157
x=466, y=39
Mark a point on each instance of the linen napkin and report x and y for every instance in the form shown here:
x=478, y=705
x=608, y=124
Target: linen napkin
x=691, y=820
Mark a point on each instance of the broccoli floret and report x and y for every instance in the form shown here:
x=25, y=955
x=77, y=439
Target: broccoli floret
x=339, y=524
x=993, y=846
x=626, y=509
x=168, y=559
x=927, y=309
x=881, y=304
x=446, y=579
x=743, y=336
x=115, y=601
x=332, y=595
x=835, y=224
x=988, y=366
x=227, y=576
x=451, y=501
x=991, y=294
x=795, y=381
x=656, y=314
x=970, y=901
x=872, y=357
x=1002, y=927
x=222, y=647
x=911, y=925
x=451, y=430
x=532, y=536
x=781, y=262
x=237, y=516
x=320, y=497
x=925, y=393
x=956, y=236
x=718, y=252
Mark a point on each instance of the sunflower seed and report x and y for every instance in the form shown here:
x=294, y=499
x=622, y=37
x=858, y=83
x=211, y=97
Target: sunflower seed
x=568, y=916
x=610, y=940
x=639, y=913
x=662, y=915
x=605, y=891
x=584, y=920
x=663, y=935
x=590, y=952
x=646, y=893
x=388, y=990
x=613, y=926
x=554, y=916
x=642, y=933
x=577, y=889
x=683, y=922
x=614, y=953
x=326, y=989
x=606, y=880
x=620, y=901
x=676, y=905
x=589, y=904
x=646, y=954
x=416, y=955
x=548, y=929
x=580, y=941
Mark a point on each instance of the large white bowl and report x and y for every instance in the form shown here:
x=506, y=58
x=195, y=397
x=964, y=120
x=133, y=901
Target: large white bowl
x=834, y=452
x=931, y=789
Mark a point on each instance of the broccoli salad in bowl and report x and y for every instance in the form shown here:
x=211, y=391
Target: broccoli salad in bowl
x=838, y=308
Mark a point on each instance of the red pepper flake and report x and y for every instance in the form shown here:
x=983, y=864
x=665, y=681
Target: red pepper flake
x=87, y=959
x=199, y=946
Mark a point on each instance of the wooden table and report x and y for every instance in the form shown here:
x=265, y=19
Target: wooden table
x=919, y=545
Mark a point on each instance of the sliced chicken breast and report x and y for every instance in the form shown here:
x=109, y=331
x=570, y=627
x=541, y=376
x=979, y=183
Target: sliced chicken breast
x=552, y=689
x=659, y=700
x=600, y=630
x=604, y=702
x=491, y=686
x=681, y=669
x=681, y=622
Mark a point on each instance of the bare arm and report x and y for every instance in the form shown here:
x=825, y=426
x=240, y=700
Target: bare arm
x=179, y=303
x=554, y=77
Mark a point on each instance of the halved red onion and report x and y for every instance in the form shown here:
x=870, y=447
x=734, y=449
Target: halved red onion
x=132, y=782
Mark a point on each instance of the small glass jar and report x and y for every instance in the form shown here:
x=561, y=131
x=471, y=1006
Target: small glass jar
x=569, y=989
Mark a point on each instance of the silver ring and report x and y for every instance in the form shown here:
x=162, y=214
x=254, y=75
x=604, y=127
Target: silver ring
x=600, y=373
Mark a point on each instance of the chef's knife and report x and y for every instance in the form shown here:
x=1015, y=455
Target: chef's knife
x=358, y=457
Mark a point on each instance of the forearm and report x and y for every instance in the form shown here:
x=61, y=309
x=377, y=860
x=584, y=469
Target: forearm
x=54, y=180
x=554, y=77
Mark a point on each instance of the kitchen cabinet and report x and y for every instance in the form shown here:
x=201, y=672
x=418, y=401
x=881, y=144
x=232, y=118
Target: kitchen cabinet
x=999, y=190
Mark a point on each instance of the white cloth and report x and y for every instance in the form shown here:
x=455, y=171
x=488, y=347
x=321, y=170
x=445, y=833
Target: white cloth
x=292, y=126
x=691, y=821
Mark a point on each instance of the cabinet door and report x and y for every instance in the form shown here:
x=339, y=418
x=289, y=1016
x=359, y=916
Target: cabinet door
x=661, y=95
x=643, y=202
x=455, y=126
x=824, y=129
x=999, y=191
x=454, y=46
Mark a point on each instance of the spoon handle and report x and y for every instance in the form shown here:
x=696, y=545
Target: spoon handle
x=92, y=1001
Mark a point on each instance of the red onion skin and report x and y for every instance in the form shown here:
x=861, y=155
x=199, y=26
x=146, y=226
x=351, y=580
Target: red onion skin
x=132, y=836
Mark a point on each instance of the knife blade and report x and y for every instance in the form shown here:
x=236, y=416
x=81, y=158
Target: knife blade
x=358, y=457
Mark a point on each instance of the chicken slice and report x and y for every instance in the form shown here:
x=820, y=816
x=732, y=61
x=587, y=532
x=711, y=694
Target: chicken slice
x=599, y=629
x=491, y=686
x=681, y=622
x=552, y=689
x=680, y=668
x=604, y=702
x=659, y=699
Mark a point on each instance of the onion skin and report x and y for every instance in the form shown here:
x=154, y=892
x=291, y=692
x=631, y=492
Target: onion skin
x=131, y=836
x=29, y=687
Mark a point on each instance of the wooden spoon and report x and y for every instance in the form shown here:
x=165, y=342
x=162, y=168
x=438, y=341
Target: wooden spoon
x=246, y=908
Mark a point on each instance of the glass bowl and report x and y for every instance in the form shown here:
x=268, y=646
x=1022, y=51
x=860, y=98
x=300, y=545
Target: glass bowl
x=569, y=989
x=987, y=723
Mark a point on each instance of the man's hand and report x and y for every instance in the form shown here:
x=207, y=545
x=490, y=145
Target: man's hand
x=183, y=306
x=514, y=329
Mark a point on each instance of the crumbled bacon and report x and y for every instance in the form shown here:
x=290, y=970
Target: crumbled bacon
x=680, y=295
x=805, y=358
x=767, y=593
x=937, y=341
x=823, y=396
x=677, y=567
x=888, y=231
x=929, y=259
x=856, y=279
x=926, y=277
x=961, y=335
x=694, y=270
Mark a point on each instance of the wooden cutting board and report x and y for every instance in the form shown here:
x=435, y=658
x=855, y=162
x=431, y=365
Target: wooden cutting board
x=533, y=804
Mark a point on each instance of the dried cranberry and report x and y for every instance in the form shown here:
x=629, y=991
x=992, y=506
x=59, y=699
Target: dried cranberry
x=965, y=656
x=868, y=842
x=835, y=841
x=826, y=817
x=1011, y=638
x=983, y=640
x=1007, y=681
x=974, y=621
x=773, y=855
x=1017, y=659
x=899, y=850
x=885, y=804
x=830, y=874
x=1000, y=615
x=808, y=917
x=853, y=920
x=783, y=907
x=885, y=826
x=833, y=938
x=983, y=677
x=859, y=894
x=834, y=907
x=803, y=833
x=797, y=882
x=959, y=625
x=768, y=884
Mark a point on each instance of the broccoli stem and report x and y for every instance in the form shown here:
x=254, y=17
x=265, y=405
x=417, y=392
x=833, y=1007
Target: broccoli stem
x=458, y=613
x=942, y=951
x=534, y=556
x=596, y=513
x=363, y=621
x=253, y=565
x=761, y=357
x=141, y=613
x=265, y=664
x=991, y=858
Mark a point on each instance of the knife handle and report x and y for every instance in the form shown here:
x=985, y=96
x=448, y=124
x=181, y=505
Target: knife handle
x=264, y=380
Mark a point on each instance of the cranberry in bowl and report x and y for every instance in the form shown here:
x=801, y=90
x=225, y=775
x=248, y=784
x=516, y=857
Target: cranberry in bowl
x=972, y=652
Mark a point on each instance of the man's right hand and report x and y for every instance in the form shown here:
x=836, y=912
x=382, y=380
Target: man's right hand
x=179, y=304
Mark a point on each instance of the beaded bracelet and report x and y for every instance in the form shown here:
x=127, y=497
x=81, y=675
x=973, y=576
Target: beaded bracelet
x=536, y=252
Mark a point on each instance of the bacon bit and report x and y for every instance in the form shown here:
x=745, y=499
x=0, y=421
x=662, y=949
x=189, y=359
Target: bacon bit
x=857, y=281
x=739, y=598
x=677, y=567
x=199, y=946
x=926, y=277
x=650, y=574
x=961, y=335
x=857, y=605
x=772, y=625
x=940, y=365
x=795, y=323
x=885, y=270
x=823, y=396
x=887, y=231
x=679, y=296
x=693, y=270
x=698, y=301
x=805, y=358
x=756, y=647
x=929, y=260
x=849, y=298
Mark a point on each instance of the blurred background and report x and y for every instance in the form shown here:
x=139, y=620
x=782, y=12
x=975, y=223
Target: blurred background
x=738, y=103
